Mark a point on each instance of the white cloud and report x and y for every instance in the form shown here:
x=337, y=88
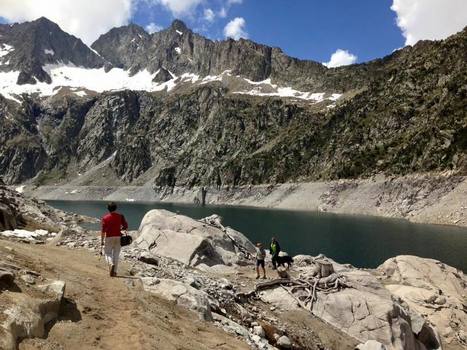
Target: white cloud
x=152, y=28
x=340, y=58
x=86, y=19
x=209, y=15
x=225, y=9
x=429, y=19
x=235, y=29
x=223, y=12
x=179, y=7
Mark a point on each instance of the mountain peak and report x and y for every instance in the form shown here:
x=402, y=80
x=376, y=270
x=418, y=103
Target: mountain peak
x=44, y=21
x=178, y=25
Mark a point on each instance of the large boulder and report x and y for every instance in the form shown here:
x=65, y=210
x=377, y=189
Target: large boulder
x=364, y=309
x=7, y=217
x=430, y=288
x=368, y=311
x=28, y=316
x=182, y=294
x=186, y=240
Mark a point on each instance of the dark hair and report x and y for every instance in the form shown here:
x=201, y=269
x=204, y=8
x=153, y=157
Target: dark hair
x=112, y=206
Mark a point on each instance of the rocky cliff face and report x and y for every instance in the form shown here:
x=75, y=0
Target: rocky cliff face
x=29, y=46
x=399, y=115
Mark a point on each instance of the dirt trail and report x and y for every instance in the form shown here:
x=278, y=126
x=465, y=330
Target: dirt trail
x=100, y=312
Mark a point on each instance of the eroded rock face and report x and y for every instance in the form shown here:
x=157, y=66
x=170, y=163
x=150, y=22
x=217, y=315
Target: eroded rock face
x=18, y=211
x=183, y=294
x=226, y=139
x=368, y=312
x=364, y=309
x=27, y=316
x=7, y=217
x=430, y=288
x=184, y=239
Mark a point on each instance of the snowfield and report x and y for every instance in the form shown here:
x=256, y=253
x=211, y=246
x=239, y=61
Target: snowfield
x=5, y=49
x=79, y=79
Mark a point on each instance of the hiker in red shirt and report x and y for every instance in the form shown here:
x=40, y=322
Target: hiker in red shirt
x=112, y=224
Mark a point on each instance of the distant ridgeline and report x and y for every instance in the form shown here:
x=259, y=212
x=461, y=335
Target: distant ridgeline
x=176, y=109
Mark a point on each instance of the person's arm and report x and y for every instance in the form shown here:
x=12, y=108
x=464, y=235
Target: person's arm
x=103, y=230
x=124, y=224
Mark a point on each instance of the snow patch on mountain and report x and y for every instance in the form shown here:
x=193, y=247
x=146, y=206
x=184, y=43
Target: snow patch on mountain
x=5, y=49
x=49, y=52
x=178, y=50
x=288, y=92
x=78, y=77
x=81, y=80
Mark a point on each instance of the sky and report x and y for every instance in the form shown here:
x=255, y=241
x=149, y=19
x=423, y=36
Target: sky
x=334, y=32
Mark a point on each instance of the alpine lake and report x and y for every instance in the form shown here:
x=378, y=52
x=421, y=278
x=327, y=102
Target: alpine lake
x=363, y=241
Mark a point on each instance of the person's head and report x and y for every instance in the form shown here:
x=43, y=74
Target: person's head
x=273, y=239
x=112, y=206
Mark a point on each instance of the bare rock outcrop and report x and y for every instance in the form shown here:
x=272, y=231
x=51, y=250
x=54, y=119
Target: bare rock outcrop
x=182, y=294
x=26, y=314
x=432, y=289
x=361, y=307
x=186, y=240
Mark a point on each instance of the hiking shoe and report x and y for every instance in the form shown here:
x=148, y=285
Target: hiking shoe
x=264, y=277
x=257, y=277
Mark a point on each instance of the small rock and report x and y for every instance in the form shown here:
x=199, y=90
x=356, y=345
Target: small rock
x=148, y=258
x=440, y=300
x=258, y=330
x=6, y=276
x=371, y=345
x=225, y=284
x=284, y=342
x=29, y=279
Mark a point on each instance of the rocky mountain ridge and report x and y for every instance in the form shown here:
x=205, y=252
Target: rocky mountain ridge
x=29, y=46
x=399, y=115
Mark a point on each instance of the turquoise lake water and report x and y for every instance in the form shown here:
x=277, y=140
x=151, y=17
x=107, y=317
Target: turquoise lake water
x=362, y=241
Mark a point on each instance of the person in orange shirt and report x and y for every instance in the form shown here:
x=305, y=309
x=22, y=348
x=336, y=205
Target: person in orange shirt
x=112, y=224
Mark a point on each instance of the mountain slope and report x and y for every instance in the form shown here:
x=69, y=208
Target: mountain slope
x=398, y=115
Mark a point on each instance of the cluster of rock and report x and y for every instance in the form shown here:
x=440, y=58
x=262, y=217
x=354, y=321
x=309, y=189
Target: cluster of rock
x=407, y=303
x=29, y=302
x=32, y=221
x=18, y=212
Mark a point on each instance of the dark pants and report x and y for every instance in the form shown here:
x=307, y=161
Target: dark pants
x=274, y=261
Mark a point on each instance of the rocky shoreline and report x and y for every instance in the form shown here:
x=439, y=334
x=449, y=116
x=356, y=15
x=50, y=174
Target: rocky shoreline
x=406, y=303
x=425, y=198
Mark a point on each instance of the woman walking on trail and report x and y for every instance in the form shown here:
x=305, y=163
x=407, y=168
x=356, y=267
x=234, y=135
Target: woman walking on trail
x=112, y=224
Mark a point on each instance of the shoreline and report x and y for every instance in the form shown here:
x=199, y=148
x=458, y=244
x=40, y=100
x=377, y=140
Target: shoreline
x=426, y=198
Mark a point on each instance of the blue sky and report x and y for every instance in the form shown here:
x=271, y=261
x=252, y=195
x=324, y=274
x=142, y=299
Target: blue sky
x=305, y=29
x=336, y=31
